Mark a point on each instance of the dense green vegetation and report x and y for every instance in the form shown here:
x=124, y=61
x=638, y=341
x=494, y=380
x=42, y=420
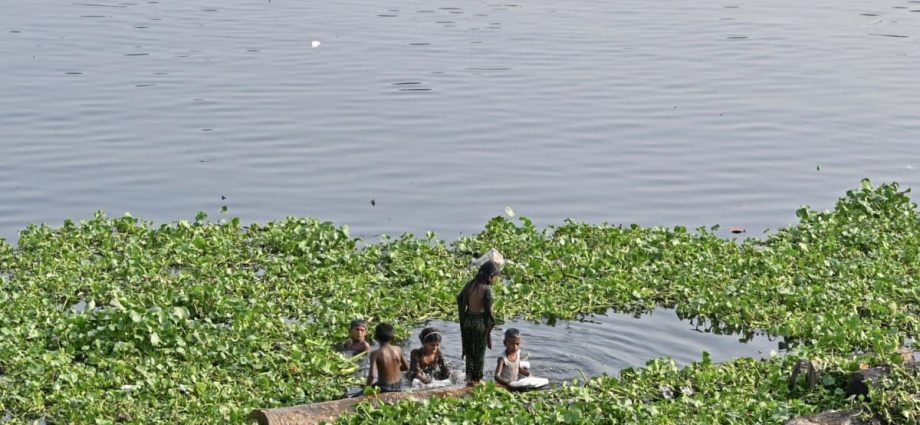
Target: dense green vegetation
x=200, y=322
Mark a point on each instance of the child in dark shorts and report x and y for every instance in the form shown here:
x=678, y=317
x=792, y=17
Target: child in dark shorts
x=387, y=362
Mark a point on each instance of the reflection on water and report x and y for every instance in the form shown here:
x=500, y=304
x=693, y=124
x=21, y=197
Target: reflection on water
x=605, y=344
x=692, y=113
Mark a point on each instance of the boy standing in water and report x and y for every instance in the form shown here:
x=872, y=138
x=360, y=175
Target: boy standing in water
x=356, y=334
x=386, y=362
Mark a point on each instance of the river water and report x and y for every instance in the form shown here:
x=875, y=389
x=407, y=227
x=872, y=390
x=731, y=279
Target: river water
x=394, y=116
x=607, y=344
x=602, y=344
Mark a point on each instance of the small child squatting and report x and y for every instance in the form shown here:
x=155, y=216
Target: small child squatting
x=509, y=367
x=387, y=362
x=356, y=334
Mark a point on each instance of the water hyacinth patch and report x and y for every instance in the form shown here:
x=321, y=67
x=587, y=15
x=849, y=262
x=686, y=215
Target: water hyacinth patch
x=202, y=321
x=743, y=391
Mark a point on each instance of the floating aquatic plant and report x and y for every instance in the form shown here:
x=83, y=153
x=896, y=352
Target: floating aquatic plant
x=202, y=321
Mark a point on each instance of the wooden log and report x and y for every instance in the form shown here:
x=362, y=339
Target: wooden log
x=315, y=413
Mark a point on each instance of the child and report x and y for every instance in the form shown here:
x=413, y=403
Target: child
x=386, y=362
x=474, y=304
x=356, y=333
x=509, y=366
x=426, y=363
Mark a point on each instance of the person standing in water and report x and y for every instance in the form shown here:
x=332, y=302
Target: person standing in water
x=474, y=304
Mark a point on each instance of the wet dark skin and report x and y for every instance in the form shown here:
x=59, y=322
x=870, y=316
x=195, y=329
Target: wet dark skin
x=430, y=351
x=388, y=363
x=476, y=303
x=356, y=342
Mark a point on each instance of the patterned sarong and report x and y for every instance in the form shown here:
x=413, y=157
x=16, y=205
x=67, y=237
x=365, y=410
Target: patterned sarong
x=473, y=336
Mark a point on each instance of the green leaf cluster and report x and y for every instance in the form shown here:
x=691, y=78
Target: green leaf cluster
x=118, y=320
x=742, y=391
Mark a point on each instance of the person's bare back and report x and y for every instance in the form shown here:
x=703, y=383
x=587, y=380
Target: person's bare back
x=476, y=303
x=389, y=363
x=386, y=362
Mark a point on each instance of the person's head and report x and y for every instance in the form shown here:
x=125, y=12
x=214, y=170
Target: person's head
x=512, y=340
x=431, y=339
x=383, y=333
x=357, y=330
x=488, y=272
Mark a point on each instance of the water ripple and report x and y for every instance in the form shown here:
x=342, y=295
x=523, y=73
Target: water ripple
x=692, y=114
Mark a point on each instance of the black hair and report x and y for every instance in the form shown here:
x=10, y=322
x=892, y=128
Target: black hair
x=357, y=322
x=384, y=333
x=486, y=271
x=484, y=276
x=429, y=335
x=512, y=333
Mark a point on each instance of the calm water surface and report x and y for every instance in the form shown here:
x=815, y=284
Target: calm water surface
x=606, y=344
x=444, y=112
x=602, y=344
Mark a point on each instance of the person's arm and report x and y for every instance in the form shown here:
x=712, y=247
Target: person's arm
x=372, y=370
x=443, y=371
x=489, y=318
x=415, y=370
x=498, y=372
x=461, y=303
x=403, y=366
x=523, y=371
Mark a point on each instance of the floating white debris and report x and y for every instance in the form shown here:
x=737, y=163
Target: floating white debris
x=128, y=387
x=80, y=306
x=509, y=211
x=492, y=255
x=667, y=392
x=435, y=383
x=529, y=383
x=315, y=43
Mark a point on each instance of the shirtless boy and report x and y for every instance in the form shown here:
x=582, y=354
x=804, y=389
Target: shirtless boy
x=356, y=333
x=386, y=362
